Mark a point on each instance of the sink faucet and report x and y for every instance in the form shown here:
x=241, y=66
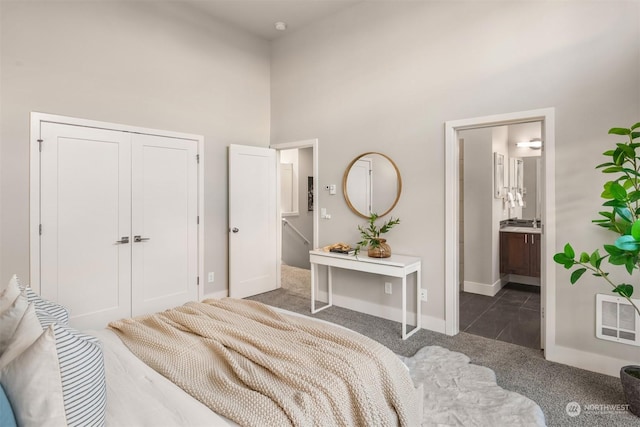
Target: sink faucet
x=535, y=221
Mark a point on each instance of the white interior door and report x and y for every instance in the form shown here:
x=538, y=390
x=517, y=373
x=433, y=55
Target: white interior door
x=253, y=257
x=164, y=222
x=85, y=210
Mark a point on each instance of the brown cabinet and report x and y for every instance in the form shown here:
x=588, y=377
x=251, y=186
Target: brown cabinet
x=520, y=254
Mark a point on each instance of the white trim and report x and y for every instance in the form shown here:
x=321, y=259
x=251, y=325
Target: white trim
x=34, y=184
x=547, y=117
x=585, y=360
x=484, y=288
x=386, y=312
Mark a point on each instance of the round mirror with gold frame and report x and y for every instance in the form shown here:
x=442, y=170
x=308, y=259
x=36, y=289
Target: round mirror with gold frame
x=372, y=184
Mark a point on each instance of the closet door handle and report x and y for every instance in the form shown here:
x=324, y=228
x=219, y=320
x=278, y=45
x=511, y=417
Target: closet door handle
x=138, y=239
x=123, y=239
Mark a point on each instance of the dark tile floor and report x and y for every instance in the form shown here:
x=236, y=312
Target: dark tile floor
x=512, y=315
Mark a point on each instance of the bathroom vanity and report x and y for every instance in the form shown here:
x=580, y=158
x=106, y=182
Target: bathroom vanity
x=520, y=250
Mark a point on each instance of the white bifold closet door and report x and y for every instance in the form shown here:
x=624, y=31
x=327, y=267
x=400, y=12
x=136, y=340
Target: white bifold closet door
x=119, y=222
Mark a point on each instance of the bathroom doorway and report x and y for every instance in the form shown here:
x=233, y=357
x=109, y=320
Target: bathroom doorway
x=499, y=188
x=503, y=290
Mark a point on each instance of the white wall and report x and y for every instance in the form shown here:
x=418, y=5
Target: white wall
x=499, y=211
x=478, y=211
x=482, y=211
x=152, y=64
x=531, y=167
x=385, y=76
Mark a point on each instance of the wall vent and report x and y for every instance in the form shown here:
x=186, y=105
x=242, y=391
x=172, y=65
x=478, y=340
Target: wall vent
x=617, y=320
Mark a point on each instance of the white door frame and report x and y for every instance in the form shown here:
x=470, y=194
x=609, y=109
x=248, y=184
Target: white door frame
x=308, y=143
x=452, y=174
x=34, y=185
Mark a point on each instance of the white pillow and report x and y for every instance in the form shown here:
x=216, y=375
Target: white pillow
x=27, y=332
x=32, y=384
x=9, y=320
x=65, y=384
x=9, y=294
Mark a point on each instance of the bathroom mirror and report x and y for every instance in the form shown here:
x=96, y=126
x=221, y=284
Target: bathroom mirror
x=498, y=175
x=532, y=171
x=371, y=184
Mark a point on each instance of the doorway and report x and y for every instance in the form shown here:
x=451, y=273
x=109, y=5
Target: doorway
x=298, y=213
x=452, y=214
x=499, y=189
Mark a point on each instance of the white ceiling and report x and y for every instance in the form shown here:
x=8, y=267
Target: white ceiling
x=259, y=16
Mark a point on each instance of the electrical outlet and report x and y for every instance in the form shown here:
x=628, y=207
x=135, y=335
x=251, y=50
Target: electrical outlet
x=423, y=294
x=388, y=288
x=211, y=277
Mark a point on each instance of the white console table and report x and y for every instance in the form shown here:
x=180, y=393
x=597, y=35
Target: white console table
x=395, y=266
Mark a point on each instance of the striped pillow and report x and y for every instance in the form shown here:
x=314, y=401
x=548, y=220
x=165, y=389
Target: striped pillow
x=83, y=380
x=43, y=306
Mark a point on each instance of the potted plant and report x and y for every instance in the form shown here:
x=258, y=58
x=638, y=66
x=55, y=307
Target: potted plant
x=377, y=246
x=622, y=217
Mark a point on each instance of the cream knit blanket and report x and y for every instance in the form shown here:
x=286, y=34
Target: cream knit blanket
x=259, y=367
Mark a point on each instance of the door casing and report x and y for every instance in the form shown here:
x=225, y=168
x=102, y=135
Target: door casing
x=452, y=287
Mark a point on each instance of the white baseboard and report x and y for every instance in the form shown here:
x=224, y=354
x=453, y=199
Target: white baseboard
x=216, y=295
x=584, y=360
x=484, y=288
x=433, y=324
x=390, y=313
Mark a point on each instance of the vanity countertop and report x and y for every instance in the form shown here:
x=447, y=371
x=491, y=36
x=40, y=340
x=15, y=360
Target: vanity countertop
x=512, y=229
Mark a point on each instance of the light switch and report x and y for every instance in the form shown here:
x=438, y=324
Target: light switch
x=332, y=189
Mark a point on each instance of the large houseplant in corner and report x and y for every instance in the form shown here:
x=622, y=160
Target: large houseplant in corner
x=622, y=217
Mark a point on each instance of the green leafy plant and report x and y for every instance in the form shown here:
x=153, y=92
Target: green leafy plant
x=622, y=195
x=371, y=235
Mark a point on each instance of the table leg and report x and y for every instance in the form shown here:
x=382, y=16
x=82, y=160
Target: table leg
x=419, y=298
x=418, y=326
x=404, y=307
x=314, y=281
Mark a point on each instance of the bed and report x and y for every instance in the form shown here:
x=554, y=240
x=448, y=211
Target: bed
x=212, y=363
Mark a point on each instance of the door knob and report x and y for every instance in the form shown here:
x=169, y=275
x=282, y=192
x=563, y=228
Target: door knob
x=140, y=239
x=124, y=239
x=235, y=229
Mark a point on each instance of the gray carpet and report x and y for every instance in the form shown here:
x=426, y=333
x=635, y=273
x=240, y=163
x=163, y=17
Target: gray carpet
x=517, y=368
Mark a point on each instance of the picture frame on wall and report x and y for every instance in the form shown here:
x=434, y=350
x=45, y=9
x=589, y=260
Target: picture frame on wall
x=310, y=193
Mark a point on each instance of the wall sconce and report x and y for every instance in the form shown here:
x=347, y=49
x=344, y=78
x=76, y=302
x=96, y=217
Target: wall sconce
x=534, y=144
